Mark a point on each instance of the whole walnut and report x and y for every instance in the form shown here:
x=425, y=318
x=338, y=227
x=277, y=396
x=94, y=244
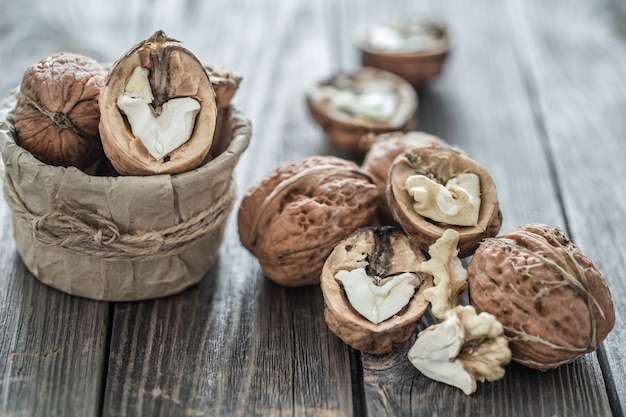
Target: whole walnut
x=57, y=113
x=552, y=301
x=293, y=218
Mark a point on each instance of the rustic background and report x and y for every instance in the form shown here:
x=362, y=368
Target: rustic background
x=534, y=90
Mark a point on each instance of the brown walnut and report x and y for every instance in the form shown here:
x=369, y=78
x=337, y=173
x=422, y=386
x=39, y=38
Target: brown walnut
x=293, y=218
x=349, y=106
x=419, y=64
x=441, y=164
x=381, y=154
x=173, y=73
x=383, y=252
x=552, y=301
x=57, y=114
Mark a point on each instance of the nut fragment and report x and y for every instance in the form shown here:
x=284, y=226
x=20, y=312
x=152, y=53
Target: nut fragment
x=463, y=349
x=552, y=301
x=383, y=150
x=225, y=83
x=347, y=107
x=441, y=164
x=383, y=254
x=293, y=218
x=448, y=273
x=414, y=50
x=145, y=127
x=57, y=114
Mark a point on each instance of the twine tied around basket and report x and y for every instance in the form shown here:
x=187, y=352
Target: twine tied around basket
x=79, y=229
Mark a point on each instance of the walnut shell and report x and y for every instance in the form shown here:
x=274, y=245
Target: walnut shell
x=418, y=66
x=551, y=299
x=57, y=114
x=225, y=83
x=381, y=154
x=174, y=72
x=293, y=218
x=345, y=128
x=441, y=163
x=388, y=252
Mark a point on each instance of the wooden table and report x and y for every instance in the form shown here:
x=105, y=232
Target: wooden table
x=534, y=90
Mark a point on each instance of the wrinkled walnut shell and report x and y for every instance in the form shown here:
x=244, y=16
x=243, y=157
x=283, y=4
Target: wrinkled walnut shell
x=385, y=246
x=441, y=163
x=381, y=154
x=294, y=217
x=418, y=67
x=345, y=130
x=552, y=301
x=174, y=72
x=57, y=114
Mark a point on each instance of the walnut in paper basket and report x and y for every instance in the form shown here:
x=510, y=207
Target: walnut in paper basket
x=158, y=109
x=123, y=237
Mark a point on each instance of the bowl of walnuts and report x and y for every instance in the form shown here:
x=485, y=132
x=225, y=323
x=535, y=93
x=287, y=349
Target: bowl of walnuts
x=120, y=179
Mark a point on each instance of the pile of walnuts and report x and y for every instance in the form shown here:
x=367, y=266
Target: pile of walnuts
x=322, y=220
x=155, y=111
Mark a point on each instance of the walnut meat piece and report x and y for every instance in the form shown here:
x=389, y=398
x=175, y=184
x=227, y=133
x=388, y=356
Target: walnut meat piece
x=57, y=113
x=385, y=255
x=293, y=218
x=441, y=164
x=349, y=106
x=158, y=110
x=414, y=50
x=465, y=348
x=225, y=83
x=381, y=154
x=552, y=301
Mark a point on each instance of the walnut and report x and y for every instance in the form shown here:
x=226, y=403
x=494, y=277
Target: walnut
x=464, y=348
x=449, y=276
x=225, y=83
x=293, y=218
x=373, y=289
x=383, y=150
x=57, y=115
x=442, y=165
x=552, y=301
x=414, y=50
x=158, y=109
x=349, y=106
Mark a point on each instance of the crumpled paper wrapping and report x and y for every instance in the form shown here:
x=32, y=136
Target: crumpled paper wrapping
x=120, y=238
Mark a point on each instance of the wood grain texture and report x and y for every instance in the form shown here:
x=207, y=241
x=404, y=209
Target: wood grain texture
x=533, y=91
x=53, y=346
x=580, y=78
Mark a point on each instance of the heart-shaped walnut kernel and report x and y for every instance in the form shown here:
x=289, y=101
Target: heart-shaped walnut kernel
x=158, y=110
x=294, y=217
x=377, y=311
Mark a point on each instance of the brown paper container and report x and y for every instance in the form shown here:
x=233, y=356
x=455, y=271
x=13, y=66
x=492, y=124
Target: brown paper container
x=120, y=238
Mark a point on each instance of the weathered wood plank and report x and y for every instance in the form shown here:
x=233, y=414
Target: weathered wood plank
x=481, y=104
x=53, y=346
x=238, y=344
x=578, y=63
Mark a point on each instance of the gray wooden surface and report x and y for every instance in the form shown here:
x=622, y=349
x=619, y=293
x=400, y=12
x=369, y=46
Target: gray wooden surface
x=534, y=90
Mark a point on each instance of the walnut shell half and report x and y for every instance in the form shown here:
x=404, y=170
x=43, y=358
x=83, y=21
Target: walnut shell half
x=293, y=218
x=441, y=164
x=57, y=112
x=382, y=252
x=414, y=50
x=172, y=74
x=552, y=301
x=349, y=106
